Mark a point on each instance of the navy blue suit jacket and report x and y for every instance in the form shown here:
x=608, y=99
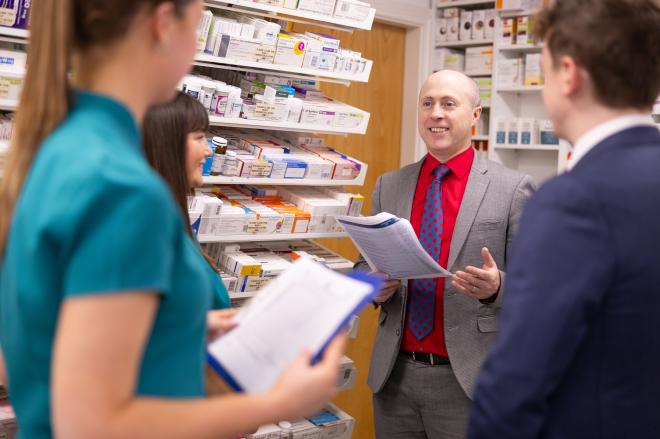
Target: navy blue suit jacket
x=578, y=353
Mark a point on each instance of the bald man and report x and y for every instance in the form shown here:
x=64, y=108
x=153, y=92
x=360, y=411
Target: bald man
x=433, y=334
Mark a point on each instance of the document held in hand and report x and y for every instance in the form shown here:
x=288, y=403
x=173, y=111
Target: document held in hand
x=303, y=308
x=389, y=245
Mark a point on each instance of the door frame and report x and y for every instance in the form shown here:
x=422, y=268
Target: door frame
x=416, y=17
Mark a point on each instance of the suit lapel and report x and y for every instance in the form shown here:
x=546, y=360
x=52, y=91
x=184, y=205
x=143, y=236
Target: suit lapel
x=407, y=190
x=474, y=193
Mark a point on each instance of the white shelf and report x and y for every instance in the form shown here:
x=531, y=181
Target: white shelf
x=477, y=74
x=298, y=72
x=455, y=4
x=13, y=33
x=297, y=14
x=480, y=137
x=286, y=126
x=8, y=104
x=529, y=147
x=517, y=13
x=520, y=48
x=248, y=295
x=469, y=43
x=271, y=237
x=521, y=89
x=359, y=181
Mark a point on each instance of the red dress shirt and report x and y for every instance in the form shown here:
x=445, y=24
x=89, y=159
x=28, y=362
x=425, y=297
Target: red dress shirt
x=453, y=188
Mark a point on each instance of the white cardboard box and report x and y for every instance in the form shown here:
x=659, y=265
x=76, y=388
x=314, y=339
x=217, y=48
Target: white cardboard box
x=465, y=32
x=479, y=60
x=326, y=7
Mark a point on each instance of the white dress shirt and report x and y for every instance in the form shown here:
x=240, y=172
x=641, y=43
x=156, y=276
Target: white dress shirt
x=600, y=132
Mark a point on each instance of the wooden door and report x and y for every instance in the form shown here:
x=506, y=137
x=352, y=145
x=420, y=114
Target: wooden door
x=380, y=148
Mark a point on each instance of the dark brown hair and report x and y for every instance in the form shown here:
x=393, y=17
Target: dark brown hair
x=616, y=41
x=165, y=132
x=58, y=29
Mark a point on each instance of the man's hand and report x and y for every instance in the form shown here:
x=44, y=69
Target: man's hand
x=388, y=289
x=479, y=283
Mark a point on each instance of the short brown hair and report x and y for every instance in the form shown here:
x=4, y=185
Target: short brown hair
x=616, y=41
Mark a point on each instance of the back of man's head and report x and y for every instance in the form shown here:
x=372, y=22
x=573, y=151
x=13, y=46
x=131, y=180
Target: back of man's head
x=616, y=41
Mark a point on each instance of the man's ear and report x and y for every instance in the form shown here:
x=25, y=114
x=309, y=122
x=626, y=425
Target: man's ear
x=572, y=77
x=476, y=113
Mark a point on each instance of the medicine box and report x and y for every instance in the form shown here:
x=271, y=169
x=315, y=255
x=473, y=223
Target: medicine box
x=453, y=27
x=465, y=32
x=489, y=22
x=510, y=72
x=478, y=24
x=547, y=134
x=326, y=7
x=512, y=134
x=352, y=9
x=240, y=264
x=15, y=13
x=529, y=131
x=449, y=59
x=290, y=50
x=441, y=30
x=533, y=70
x=508, y=32
x=479, y=60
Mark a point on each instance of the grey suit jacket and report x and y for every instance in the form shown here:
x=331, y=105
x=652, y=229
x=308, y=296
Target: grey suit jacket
x=492, y=204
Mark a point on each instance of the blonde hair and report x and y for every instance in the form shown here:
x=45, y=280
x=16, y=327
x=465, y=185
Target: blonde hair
x=58, y=27
x=44, y=101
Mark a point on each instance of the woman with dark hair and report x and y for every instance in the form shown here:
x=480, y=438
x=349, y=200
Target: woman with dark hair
x=174, y=137
x=103, y=297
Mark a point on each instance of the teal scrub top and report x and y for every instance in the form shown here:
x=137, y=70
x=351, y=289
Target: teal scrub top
x=93, y=218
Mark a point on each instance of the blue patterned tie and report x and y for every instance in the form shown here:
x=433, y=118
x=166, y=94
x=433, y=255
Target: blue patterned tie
x=421, y=298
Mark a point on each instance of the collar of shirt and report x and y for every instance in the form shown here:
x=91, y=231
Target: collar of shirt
x=110, y=111
x=460, y=164
x=601, y=132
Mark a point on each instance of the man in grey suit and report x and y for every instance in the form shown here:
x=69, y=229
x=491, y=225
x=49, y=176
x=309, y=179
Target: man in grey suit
x=432, y=337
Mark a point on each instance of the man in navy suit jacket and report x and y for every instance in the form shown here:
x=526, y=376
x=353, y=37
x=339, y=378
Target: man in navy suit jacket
x=578, y=352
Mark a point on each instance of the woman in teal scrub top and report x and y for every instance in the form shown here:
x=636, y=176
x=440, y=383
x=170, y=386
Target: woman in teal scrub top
x=174, y=138
x=103, y=296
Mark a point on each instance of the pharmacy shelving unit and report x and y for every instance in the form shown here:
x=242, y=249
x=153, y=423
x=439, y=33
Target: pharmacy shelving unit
x=514, y=102
x=440, y=6
x=204, y=60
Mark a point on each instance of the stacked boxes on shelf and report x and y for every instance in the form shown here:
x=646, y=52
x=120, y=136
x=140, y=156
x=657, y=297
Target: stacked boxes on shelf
x=271, y=98
x=455, y=24
x=278, y=156
x=523, y=70
x=243, y=38
x=524, y=132
x=247, y=267
x=458, y=34
x=219, y=211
